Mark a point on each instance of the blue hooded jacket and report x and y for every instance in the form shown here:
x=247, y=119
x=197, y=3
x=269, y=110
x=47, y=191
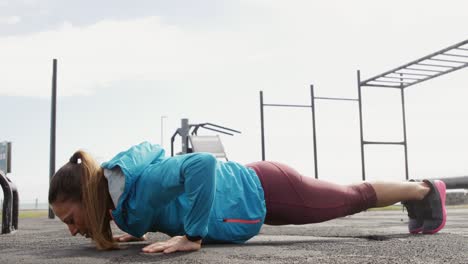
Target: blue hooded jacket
x=192, y=194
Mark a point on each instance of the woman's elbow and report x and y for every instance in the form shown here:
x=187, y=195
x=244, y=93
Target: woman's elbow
x=200, y=162
x=208, y=159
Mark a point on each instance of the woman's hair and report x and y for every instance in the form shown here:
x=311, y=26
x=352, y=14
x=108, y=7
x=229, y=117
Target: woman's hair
x=84, y=182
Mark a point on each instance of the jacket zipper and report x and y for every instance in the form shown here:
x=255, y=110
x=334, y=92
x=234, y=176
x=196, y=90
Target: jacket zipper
x=242, y=221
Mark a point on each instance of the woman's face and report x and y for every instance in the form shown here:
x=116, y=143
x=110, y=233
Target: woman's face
x=72, y=214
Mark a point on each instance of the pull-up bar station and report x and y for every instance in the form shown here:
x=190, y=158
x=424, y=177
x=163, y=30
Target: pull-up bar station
x=428, y=67
x=312, y=107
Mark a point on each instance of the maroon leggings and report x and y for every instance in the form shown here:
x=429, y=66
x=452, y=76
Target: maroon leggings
x=294, y=199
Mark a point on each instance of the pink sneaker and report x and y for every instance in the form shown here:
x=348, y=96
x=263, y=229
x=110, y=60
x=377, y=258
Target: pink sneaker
x=415, y=211
x=435, y=218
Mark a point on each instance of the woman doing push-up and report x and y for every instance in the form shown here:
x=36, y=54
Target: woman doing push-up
x=197, y=199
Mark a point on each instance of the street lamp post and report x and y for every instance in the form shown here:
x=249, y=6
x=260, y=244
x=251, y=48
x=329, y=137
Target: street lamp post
x=162, y=130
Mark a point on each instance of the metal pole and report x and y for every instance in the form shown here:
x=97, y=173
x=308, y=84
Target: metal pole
x=404, y=131
x=7, y=207
x=53, y=127
x=9, y=150
x=162, y=131
x=312, y=104
x=460, y=182
x=360, y=126
x=15, y=208
x=262, y=125
x=184, y=133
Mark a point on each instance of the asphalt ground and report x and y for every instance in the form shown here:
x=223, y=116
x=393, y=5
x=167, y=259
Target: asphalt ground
x=367, y=237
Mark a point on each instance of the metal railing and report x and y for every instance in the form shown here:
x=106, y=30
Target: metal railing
x=10, y=204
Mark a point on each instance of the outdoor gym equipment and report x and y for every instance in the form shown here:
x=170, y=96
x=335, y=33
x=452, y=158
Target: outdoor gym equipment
x=428, y=67
x=10, y=192
x=191, y=142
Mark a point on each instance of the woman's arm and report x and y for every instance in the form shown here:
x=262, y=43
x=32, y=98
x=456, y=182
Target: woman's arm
x=197, y=177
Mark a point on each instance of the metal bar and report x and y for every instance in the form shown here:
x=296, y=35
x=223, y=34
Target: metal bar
x=385, y=81
x=15, y=207
x=406, y=78
x=184, y=133
x=451, y=61
x=312, y=101
x=285, y=105
x=416, y=69
x=360, y=125
x=172, y=142
x=454, y=55
x=383, y=143
x=434, y=65
x=418, y=60
x=53, y=113
x=381, y=85
x=220, y=131
x=262, y=125
x=332, y=98
x=442, y=73
x=7, y=207
x=9, y=150
x=195, y=129
x=404, y=132
x=218, y=126
x=460, y=182
x=415, y=74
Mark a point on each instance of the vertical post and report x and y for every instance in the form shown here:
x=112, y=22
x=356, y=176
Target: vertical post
x=15, y=208
x=7, y=206
x=53, y=127
x=312, y=104
x=8, y=165
x=184, y=133
x=404, y=129
x=162, y=130
x=360, y=125
x=262, y=125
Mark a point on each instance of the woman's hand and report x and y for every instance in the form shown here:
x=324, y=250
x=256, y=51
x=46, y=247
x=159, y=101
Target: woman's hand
x=129, y=238
x=177, y=243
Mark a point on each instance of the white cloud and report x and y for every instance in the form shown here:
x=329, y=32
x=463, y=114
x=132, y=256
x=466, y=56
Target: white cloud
x=285, y=45
x=10, y=20
x=109, y=51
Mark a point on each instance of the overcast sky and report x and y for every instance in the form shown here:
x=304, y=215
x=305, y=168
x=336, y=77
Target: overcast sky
x=122, y=65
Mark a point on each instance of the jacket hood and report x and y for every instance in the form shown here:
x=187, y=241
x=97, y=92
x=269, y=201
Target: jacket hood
x=133, y=161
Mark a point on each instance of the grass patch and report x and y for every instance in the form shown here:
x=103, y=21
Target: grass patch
x=396, y=207
x=387, y=208
x=463, y=206
x=31, y=214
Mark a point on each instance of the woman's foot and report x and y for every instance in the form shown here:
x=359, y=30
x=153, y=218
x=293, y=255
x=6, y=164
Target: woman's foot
x=435, y=218
x=415, y=211
x=428, y=215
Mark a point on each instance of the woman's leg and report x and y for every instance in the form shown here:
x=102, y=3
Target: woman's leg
x=389, y=193
x=294, y=199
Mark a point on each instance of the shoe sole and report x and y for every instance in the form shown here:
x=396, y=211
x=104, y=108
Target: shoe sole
x=441, y=189
x=417, y=228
